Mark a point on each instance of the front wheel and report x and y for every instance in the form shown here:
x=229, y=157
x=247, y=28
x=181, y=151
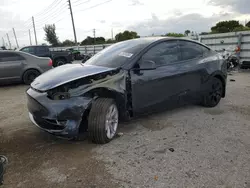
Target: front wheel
x=214, y=93
x=103, y=120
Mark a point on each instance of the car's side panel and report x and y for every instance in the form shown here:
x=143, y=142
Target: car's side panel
x=184, y=79
x=195, y=58
x=38, y=63
x=11, y=64
x=154, y=88
x=216, y=67
x=161, y=87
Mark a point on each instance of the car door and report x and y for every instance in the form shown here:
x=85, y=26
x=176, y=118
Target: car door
x=11, y=65
x=193, y=59
x=153, y=88
x=42, y=51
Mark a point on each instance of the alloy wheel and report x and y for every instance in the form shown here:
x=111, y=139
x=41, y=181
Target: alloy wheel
x=111, y=121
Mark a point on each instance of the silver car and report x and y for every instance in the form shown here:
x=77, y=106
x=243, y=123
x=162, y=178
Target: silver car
x=16, y=66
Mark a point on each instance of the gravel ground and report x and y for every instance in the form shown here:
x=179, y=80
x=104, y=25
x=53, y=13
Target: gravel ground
x=190, y=146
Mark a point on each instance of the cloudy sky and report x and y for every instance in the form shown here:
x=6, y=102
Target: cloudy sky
x=146, y=17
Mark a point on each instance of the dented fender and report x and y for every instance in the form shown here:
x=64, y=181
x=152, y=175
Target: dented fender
x=82, y=93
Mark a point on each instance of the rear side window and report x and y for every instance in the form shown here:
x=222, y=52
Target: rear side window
x=10, y=56
x=191, y=50
x=42, y=49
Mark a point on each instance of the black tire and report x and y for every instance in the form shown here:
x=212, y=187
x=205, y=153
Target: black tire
x=59, y=62
x=97, y=120
x=214, y=93
x=30, y=75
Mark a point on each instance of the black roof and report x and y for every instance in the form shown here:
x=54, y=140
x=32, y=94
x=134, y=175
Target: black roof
x=149, y=40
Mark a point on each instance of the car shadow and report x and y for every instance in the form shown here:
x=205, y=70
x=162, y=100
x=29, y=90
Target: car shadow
x=10, y=85
x=152, y=121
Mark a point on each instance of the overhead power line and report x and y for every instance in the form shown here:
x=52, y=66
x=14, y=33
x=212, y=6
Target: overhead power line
x=97, y=5
x=55, y=10
x=79, y=1
x=54, y=13
x=52, y=17
x=61, y=18
x=47, y=9
x=84, y=2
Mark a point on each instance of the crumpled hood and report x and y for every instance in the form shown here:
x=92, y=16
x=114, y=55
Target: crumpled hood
x=64, y=74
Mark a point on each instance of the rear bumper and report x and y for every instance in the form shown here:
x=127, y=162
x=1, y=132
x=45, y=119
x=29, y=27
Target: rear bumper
x=58, y=117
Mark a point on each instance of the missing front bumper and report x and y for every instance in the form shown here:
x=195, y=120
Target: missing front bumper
x=70, y=130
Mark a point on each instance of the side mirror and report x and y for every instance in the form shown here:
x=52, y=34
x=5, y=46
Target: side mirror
x=147, y=65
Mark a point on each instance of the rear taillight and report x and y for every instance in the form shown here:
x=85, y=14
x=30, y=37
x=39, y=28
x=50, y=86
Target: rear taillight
x=50, y=62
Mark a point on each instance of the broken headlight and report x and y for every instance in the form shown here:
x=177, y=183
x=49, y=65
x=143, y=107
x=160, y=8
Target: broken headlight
x=60, y=96
x=59, y=93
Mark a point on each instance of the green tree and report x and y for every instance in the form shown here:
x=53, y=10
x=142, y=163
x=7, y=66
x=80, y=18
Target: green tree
x=241, y=28
x=226, y=26
x=90, y=40
x=50, y=34
x=68, y=42
x=100, y=40
x=248, y=24
x=110, y=41
x=126, y=35
x=175, y=35
x=187, y=32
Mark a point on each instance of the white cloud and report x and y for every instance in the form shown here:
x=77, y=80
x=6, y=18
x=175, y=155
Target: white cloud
x=144, y=16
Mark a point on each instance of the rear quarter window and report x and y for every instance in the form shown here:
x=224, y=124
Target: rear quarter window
x=10, y=56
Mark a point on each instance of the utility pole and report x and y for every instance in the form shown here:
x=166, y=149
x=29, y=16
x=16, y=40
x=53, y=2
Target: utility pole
x=30, y=37
x=8, y=40
x=94, y=35
x=73, y=23
x=14, y=32
x=34, y=27
x=3, y=41
x=112, y=35
x=94, y=39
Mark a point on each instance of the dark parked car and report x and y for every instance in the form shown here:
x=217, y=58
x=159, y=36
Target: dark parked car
x=58, y=57
x=123, y=81
x=18, y=66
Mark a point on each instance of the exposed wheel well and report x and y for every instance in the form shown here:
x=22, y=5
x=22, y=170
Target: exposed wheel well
x=223, y=83
x=119, y=98
x=106, y=93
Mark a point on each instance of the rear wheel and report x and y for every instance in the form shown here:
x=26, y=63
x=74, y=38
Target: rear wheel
x=59, y=62
x=214, y=93
x=103, y=120
x=30, y=75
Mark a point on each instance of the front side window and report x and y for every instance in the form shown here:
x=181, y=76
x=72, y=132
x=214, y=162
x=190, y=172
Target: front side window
x=163, y=54
x=28, y=50
x=191, y=50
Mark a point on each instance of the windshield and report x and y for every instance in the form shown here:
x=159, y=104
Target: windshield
x=117, y=54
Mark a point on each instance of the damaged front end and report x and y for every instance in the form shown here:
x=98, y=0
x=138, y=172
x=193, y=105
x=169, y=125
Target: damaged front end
x=60, y=110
